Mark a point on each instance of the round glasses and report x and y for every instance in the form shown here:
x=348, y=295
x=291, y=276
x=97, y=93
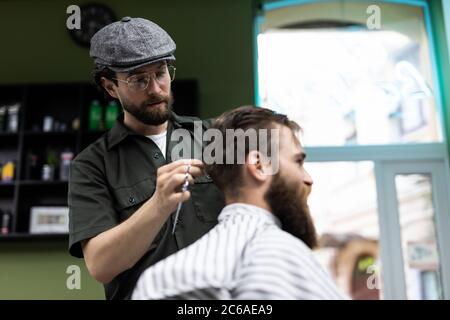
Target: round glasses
x=139, y=82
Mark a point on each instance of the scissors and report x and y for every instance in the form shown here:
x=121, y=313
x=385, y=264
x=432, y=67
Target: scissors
x=184, y=188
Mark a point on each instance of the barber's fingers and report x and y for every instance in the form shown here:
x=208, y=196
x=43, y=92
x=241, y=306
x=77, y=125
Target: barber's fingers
x=176, y=181
x=193, y=171
x=180, y=196
x=182, y=163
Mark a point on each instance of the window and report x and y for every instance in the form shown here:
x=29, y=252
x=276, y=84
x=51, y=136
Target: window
x=346, y=84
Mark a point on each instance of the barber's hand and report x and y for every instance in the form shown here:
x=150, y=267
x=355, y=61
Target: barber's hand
x=169, y=181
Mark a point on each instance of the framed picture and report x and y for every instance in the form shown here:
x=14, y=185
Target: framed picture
x=49, y=220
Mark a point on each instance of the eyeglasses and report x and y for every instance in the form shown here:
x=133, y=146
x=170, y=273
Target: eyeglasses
x=139, y=82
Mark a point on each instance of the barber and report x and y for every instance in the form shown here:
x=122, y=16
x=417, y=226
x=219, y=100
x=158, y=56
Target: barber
x=124, y=188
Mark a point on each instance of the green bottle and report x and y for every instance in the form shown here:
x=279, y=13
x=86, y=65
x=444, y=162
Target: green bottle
x=112, y=111
x=95, y=115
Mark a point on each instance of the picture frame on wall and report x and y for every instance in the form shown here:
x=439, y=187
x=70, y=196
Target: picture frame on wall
x=49, y=220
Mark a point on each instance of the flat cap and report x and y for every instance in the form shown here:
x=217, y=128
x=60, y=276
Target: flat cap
x=131, y=43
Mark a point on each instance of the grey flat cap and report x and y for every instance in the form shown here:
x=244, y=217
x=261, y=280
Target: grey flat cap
x=131, y=43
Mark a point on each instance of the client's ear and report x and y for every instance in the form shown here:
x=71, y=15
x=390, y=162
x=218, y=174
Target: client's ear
x=256, y=167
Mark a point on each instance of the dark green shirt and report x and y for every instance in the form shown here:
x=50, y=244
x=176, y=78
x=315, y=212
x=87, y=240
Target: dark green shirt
x=114, y=176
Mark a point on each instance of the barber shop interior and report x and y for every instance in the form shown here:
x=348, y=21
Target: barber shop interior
x=98, y=97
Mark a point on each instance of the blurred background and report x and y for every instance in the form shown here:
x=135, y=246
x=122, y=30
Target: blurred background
x=367, y=81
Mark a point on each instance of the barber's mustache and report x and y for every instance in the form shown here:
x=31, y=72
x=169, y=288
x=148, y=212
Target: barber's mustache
x=156, y=98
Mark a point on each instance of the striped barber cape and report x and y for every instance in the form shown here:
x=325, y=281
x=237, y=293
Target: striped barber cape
x=245, y=256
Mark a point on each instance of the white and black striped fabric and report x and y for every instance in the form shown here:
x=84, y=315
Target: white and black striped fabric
x=245, y=256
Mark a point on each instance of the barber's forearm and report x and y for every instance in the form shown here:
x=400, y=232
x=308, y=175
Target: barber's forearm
x=118, y=249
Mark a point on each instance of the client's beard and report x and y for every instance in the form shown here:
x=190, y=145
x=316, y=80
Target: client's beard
x=292, y=209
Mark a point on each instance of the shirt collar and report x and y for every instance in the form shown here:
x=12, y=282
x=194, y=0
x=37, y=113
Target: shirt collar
x=249, y=210
x=118, y=132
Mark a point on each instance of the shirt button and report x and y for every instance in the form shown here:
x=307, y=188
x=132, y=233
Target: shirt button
x=156, y=155
x=132, y=200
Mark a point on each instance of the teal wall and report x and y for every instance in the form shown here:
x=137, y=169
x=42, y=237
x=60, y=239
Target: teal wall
x=214, y=45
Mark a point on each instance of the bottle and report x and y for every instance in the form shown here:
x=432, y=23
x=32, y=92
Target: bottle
x=76, y=124
x=48, y=172
x=6, y=221
x=13, y=118
x=95, y=115
x=112, y=111
x=48, y=124
x=8, y=171
x=2, y=118
x=49, y=168
x=64, y=166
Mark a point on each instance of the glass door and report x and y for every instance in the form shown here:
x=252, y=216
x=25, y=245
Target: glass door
x=413, y=203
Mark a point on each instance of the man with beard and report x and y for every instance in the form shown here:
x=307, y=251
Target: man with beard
x=261, y=247
x=125, y=187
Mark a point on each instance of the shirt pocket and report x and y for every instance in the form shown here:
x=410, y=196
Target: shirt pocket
x=131, y=198
x=207, y=199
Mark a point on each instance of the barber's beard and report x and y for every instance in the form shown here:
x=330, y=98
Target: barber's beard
x=290, y=206
x=151, y=115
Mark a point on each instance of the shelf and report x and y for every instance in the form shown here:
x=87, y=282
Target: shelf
x=29, y=236
x=8, y=134
x=64, y=102
x=51, y=133
x=7, y=183
x=7, y=138
x=68, y=104
x=33, y=183
x=42, y=183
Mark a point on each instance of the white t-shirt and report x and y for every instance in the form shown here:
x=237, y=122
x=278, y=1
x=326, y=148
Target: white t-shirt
x=160, y=140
